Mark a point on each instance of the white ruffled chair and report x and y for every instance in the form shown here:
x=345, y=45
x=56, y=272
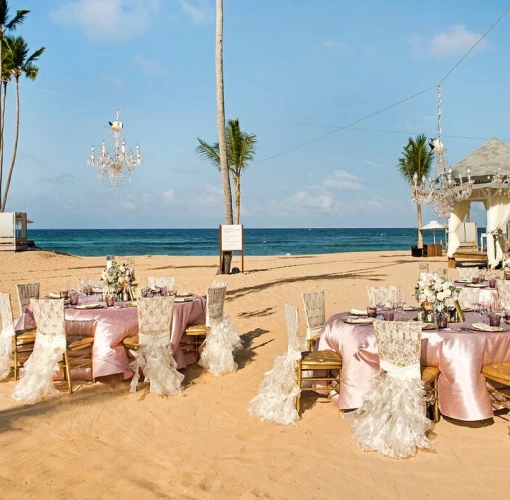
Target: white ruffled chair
x=152, y=349
x=221, y=340
x=36, y=376
x=315, y=314
x=392, y=418
x=6, y=335
x=386, y=295
x=26, y=292
x=468, y=297
x=162, y=281
x=278, y=399
x=503, y=287
x=468, y=273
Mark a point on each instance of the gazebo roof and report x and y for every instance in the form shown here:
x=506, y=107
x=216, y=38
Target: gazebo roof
x=485, y=161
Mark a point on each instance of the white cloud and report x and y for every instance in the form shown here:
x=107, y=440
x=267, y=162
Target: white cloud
x=116, y=81
x=115, y=20
x=211, y=197
x=340, y=179
x=168, y=196
x=322, y=203
x=456, y=40
x=199, y=11
x=372, y=163
x=151, y=67
x=332, y=44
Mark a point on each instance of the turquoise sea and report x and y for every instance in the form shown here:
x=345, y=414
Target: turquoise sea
x=97, y=242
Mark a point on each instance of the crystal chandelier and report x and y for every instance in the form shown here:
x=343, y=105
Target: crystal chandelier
x=122, y=161
x=444, y=190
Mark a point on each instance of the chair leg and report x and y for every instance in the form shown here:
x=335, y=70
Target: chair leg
x=15, y=352
x=67, y=372
x=436, y=402
x=299, y=381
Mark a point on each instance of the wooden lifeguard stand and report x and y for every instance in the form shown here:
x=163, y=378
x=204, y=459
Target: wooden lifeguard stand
x=13, y=231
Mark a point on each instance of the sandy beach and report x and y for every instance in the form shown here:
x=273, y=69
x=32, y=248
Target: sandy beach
x=103, y=442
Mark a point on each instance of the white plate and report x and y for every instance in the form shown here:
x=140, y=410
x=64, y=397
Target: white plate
x=475, y=285
x=54, y=295
x=482, y=327
x=356, y=320
x=183, y=299
x=90, y=306
x=183, y=294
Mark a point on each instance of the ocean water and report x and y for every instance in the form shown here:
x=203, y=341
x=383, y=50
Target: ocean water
x=98, y=242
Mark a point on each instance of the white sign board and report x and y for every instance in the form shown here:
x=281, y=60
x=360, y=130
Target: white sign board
x=232, y=238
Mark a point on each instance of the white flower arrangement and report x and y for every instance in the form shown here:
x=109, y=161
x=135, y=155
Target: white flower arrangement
x=116, y=276
x=435, y=290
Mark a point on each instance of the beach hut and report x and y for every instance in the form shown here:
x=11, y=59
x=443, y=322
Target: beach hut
x=490, y=169
x=13, y=231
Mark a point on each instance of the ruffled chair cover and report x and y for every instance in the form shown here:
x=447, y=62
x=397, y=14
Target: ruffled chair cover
x=386, y=295
x=468, y=273
x=276, y=399
x=503, y=287
x=36, y=376
x=222, y=338
x=154, y=355
x=468, y=297
x=392, y=418
x=160, y=282
x=6, y=335
x=315, y=313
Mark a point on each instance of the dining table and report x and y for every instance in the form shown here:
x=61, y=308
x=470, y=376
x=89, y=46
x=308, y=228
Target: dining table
x=113, y=324
x=458, y=351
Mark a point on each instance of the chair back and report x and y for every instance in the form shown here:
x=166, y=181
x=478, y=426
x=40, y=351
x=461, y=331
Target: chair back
x=468, y=297
x=219, y=284
x=399, y=346
x=386, y=295
x=49, y=317
x=315, y=309
x=162, y=281
x=155, y=319
x=503, y=287
x=215, y=303
x=5, y=311
x=468, y=273
x=292, y=321
x=26, y=291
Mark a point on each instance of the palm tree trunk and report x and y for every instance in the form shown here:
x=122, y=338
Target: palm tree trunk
x=14, y=151
x=237, y=182
x=222, y=137
x=420, y=224
x=2, y=109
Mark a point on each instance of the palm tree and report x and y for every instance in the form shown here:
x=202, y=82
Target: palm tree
x=240, y=151
x=416, y=160
x=222, y=140
x=20, y=63
x=6, y=25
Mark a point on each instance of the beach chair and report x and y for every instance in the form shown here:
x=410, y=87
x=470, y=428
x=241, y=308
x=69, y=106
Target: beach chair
x=6, y=335
x=279, y=396
x=315, y=314
x=160, y=282
x=392, y=418
x=152, y=350
x=221, y=338
x=385, y=295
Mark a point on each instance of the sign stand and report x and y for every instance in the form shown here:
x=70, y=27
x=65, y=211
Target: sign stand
x=232, y=240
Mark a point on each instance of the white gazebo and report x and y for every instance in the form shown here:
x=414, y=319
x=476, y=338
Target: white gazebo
x=486, y=163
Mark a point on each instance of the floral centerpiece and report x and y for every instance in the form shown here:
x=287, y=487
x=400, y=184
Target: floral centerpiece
x=118, y=279
x=433, y=292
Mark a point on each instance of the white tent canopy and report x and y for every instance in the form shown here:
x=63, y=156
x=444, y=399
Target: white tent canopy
x=433, y=225
x=484, y=163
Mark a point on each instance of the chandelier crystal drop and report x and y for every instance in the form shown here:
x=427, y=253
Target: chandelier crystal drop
x=444, y=190
x=123, y=161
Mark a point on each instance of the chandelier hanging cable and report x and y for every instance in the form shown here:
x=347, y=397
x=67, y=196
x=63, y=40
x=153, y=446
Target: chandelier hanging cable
x=123, y=160
x=444, y=190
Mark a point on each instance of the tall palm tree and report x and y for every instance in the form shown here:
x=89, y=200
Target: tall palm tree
x=416, y=159
x=240, y=151
x=20, y=63
x=222, y=139
x=6, y=25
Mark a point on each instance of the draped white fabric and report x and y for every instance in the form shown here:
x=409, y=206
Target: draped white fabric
x=220, y=345
x=460, y=211
x=498, y=213
x=6, y=350
x=276, y=399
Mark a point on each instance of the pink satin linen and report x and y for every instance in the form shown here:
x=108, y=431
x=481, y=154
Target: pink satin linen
x=459, y=355
x=113, y=325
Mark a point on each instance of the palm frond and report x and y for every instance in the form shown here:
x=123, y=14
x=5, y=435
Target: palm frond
x=18, y=19
x=208, y=152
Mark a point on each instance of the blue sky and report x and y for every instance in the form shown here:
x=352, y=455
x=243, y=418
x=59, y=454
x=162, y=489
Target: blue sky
x=294, y=71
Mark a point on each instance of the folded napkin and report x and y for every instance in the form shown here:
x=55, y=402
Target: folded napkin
x=54, y=295
x=358, y=321
x=90, y=306
x=486, y=328
x=359, y=312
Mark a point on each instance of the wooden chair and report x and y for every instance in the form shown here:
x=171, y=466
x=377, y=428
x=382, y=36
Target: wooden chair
x=327, y=363
x=500, y=373
x=6, y=335
x=315, y=314
x=160, y=282
x=386, y=295
x=152, y=349
x=26, y=291
x=80, y=345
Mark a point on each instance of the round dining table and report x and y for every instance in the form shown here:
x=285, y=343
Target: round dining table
x=115, y=324
x=457, y=351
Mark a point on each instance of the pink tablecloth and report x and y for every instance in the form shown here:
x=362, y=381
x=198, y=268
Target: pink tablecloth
x=459, y=355
x=113, y=325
